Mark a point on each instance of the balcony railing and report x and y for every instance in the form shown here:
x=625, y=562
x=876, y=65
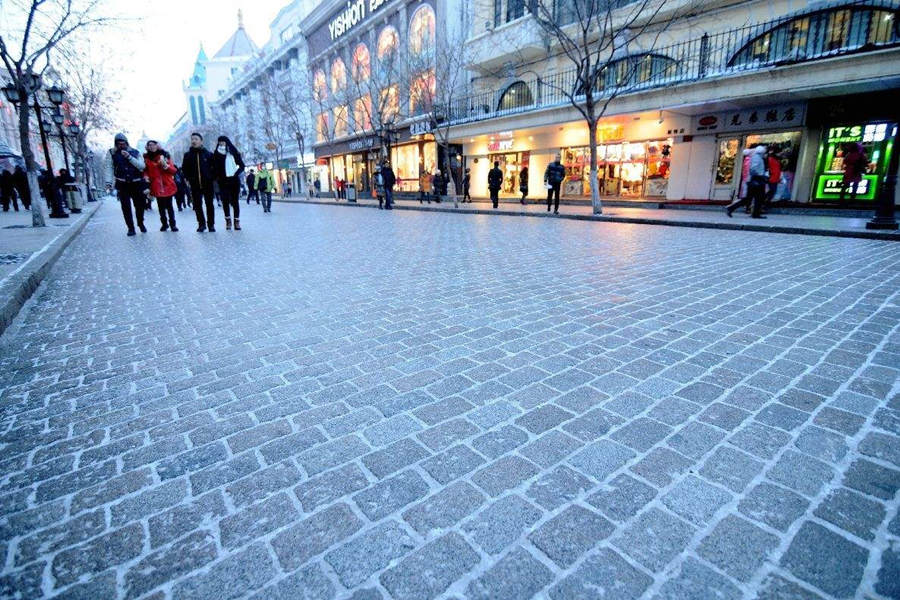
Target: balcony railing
x=837, y=30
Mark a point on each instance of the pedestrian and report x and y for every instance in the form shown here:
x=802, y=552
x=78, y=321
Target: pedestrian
x=126, y=168
x=390, y=180
x=181, y=192
x=197, y=168
x=160, y=171
x=227, y=168
x=855, y=165
x=756, y=184
x=20, y=181
x=438, y=186
x=342, y=188
x=466, y=183
x=63, y=179
x=288, y=190
x=8, y=191
x=316, y=184
x=425, y=187
x=379, y=186
x=265, y=184
x=495, y=180
x=773, y=164
x=252, y=193
x=523, y=183
x=554, y=175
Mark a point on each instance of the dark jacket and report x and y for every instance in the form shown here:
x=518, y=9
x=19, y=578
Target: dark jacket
x=555, y=173
x=20, y=180
x=439, y=185
x=466, y=182
x=197, y=167
x=7, y=184
x=495, y=179
x=218, y=161
x=129, y=169
x=250, y=180
x=388, y=177
x=523, y=180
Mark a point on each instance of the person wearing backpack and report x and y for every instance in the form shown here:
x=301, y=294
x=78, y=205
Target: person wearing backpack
x=266, y=185
x=553, y=178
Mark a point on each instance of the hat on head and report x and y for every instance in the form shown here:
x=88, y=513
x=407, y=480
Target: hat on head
x=120, y=137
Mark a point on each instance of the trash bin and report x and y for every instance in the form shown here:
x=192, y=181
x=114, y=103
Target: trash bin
x=74, y=196
x=351, y=192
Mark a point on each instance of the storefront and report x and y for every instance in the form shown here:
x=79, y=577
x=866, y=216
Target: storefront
x=876, y=140
x=624, y=169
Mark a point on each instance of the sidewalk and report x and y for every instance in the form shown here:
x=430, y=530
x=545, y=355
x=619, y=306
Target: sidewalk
x=853, y=227
x=27, y=253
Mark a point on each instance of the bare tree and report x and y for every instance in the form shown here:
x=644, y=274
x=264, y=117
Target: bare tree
x=34, y=29
x=292, y=104
x=597, y=40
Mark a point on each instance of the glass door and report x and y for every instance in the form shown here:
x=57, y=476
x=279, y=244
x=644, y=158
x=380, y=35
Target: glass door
x=728, y=168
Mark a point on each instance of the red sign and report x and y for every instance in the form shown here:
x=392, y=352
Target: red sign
x=708, y=120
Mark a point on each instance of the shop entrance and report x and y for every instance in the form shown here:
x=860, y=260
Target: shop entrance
x=624, y=169
x=732, y=167
x=511, y=164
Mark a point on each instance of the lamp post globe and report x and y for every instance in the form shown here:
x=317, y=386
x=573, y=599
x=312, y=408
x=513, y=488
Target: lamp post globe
x=59, y=119
x=34, y=83
x=74, y=129
x=11, y=92
x=56, y=95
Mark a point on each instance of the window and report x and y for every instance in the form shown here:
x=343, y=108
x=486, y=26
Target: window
x=362, y=114
x=635, y=70
x=338, y=76
x=194, y=111
x=360, y=66
x=514, y=9
x=386, y=52
x=320, y=87
x=421, y=33
x=516, y=96
x=323, y=128
x=421, y=93
x=825, y=32
x=341, y=121
x=202, y=109
x=389, y=104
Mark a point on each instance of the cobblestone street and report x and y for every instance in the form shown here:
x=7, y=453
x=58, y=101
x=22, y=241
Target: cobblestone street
x=341, y=403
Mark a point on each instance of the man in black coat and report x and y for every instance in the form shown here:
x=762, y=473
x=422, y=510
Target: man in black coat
x=389, y=180
x=252, y=192
x=20, y=180
x=553, y=177
x=495, y=182
x=126, y=169
x=197, y=168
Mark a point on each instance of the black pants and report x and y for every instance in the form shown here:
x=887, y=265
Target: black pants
x=24, y=196
x=204, y=195
x=756, y=195
x=252, y=195
x=466, y=196
x=553, y=194
x=166, y=212
x=179, y=200
x=132, y=193
x=10, y=198
x=495, y=197
x=267, y=201
x=231, y=200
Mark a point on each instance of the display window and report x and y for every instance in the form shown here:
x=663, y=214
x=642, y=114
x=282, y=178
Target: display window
x=511, y=165
x=341, y=121
x=360, y=67
x=390, y=104
x=338, y=76
x=421, y=93
x=852, y=161
x=320, y=86
x=785, y=149
x=405, y=161
x=628, y=169
x=421, y=32
x=362, y=114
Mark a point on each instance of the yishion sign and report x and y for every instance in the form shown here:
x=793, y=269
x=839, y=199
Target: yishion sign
x=348, y=18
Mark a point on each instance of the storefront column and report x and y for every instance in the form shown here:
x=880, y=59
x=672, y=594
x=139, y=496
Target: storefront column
x=806, y=164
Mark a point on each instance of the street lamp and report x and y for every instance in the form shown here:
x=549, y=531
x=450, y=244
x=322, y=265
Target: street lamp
x=56, y=95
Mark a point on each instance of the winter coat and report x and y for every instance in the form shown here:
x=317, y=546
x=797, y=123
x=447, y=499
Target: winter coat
x=523, y=181
x=20, y=180
x=855, y=163
x=774, y=169
x=425, y=182
x=467, y=180
x=197, y=167
x=162, y=180
x=7, y=184
x=219, y=162
x=388, y=177
x=439, y=185
x=758, y=166
x=124, y=169
x=265, y=181
x=495, y=179
x=250, y=180
x=555, y=173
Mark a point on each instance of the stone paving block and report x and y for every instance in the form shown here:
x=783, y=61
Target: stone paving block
x=773, y=505
x=852, y=512
x=257, y=520
x=151, y=501
x=550, y=448
x=673, y=411
x=501, y=523
x=110, y=490
x=290, y=445
x=263, y=483
x=445, y=508
x=641, y=433
x=222, y=473
x=695, y=439
x=517, y=575
x=731, y=468
x=497, y=442
x=434, y=413
x=543, y=418
x=100, y=586
x=783, y=417
x=822, y=444
x=390, y=495
x=695, y=500
x=452, y=464
x=872, y=479
x=629, y=404
x=661, y=465
x=69, y=533
x=801, y=473
x=601, y=459
x=604, y=574
x=747, y=398
x=192, y=460
x=75, y=481
x=185, y=518
x=230, y=577
x=775, y=587
x=593, y=424
x=308, y=583
x=97, y=555
x=187, y=554
x=826, y=560
x=395, y=457
x=654, y=538
x=760, y=440
x=387, y=431
x=328, y=487
x=331, y=454
x=696, y=581
x=622, y=498
x=446, y=434
x=560, y=486
x=839, y=420
x=299, y=543
x=723, y=416
x=888, y=583
x=504, y=474
x=259, y=435
x=882, y=446
x=493, y=414
x=737, y=547
x=430, y=570
x=110, y=450
x=370, y=552
x=568, y=535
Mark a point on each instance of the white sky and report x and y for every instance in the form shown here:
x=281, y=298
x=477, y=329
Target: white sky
x=152, y=52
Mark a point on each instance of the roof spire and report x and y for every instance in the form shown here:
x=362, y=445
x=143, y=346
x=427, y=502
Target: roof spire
x=240, y=19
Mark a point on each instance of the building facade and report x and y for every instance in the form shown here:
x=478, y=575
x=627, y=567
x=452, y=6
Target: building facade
x=688, y=95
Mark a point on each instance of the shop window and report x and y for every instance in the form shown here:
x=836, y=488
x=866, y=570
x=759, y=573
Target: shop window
x=421, y=93
x=386, y=53
x=362, y=114
x=323, y=128
x=360, y=67
x=338, y=76
x=341, y=121
x=825, y=32
x=517, y=95
x=389, y=106
x=728, y=150
x=421, y=33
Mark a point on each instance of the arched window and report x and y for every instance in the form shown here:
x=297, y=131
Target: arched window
x=202, y=107
x=825, y=32
x=421, y=32
x=338, y=75
x=320, y=86
x=194, y=111
x=362, y=114
x=389, y=105
x=323, y=127
x=386, y=53
x=341, y=121
x=516, y=95
x=360, y=66
x=636, y=70
x=421, y=93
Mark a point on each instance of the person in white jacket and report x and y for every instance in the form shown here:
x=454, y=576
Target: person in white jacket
x=227, y=168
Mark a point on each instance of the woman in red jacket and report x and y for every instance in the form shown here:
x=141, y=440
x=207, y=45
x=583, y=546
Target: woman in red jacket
x=160, y=171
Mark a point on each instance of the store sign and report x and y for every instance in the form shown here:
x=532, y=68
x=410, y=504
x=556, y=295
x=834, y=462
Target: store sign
x=876, y=140
x=352, y=15
x=361, y=144
x=610, y=133
x=420, y=127
x=751, y=119
x=873, y=132
x=500, y=145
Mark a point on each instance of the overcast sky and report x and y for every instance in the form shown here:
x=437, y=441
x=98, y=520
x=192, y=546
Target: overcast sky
x=152, y=53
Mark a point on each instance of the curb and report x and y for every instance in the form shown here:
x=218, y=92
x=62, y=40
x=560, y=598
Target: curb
x=20, y=286
x=865, y=235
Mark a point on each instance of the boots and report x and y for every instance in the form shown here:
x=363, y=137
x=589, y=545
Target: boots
x=227, y=223
x=237, y=224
